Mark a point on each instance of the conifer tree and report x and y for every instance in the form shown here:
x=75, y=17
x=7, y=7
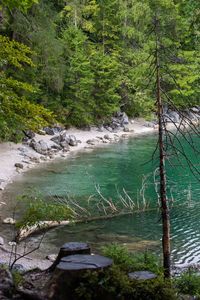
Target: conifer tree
x=79, y=78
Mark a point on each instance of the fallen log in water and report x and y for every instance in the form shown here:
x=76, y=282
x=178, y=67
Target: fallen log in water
x=39, y=226
x=26, y=231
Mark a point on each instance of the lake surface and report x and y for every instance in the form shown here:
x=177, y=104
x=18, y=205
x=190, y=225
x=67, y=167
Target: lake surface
x=114, y=167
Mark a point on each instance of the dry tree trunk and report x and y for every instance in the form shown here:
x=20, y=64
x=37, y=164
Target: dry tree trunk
x=163, y=196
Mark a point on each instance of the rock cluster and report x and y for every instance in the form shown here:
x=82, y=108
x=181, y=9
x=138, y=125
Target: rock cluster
x=177, y=117
x=192, y=114
x=120, y=120
x=59, y=142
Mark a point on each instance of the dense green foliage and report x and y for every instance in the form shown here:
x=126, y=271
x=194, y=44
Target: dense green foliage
x=132, y=262
x=189, y=283
x=114, y=283
x=89, y=59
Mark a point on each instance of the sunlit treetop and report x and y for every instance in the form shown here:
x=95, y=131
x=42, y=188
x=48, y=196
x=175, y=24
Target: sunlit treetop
x=20, y=4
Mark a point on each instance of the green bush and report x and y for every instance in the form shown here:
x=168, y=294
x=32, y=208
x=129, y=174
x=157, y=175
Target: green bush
x=37, y=209
x=189, y=283
x=17, y=278
x=115, y=284
x=132, y=261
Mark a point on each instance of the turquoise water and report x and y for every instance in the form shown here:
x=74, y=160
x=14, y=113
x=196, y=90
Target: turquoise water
x=114, y=167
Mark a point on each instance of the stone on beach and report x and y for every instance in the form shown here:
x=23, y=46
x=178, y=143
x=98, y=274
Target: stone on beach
x=9, y=221
x=19, y=165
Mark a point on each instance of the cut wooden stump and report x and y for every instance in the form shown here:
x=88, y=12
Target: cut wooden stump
x=69, y=271
x=71, y=248
x=74, y=263
x=142, y=275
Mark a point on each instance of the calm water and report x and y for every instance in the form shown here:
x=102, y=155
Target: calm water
x=115, y=167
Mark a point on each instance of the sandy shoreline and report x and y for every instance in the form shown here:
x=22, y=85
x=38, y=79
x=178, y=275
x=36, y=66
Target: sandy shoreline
x=11, y=153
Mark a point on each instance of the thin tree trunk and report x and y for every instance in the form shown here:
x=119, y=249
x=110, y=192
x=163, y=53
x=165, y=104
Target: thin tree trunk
x=163, y=196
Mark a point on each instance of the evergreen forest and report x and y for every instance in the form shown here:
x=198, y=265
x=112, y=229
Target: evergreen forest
x=78, y=62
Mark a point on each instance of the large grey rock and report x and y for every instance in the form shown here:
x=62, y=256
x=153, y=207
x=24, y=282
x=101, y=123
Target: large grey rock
x=173, y=116
x=29, y=133
x=56, y=139
x=115, y=124
x=64, y=140
x=125, y=120
x=72, y=140
x=56, y=147
x=53, y=146
x=40, y=147
x=190, y=115
x=50, y=131
x=65, y=145
x=64, y=136
x=195, y=110
x=109, y=128
x=119, y=114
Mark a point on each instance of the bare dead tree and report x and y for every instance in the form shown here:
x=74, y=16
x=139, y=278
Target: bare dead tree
x=162, y=171
x=169, y=143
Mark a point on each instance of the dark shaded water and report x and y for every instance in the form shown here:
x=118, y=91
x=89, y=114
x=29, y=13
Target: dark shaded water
x=115, y=167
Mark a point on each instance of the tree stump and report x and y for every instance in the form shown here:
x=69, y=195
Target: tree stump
x=71, y=248
x=68, y=273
